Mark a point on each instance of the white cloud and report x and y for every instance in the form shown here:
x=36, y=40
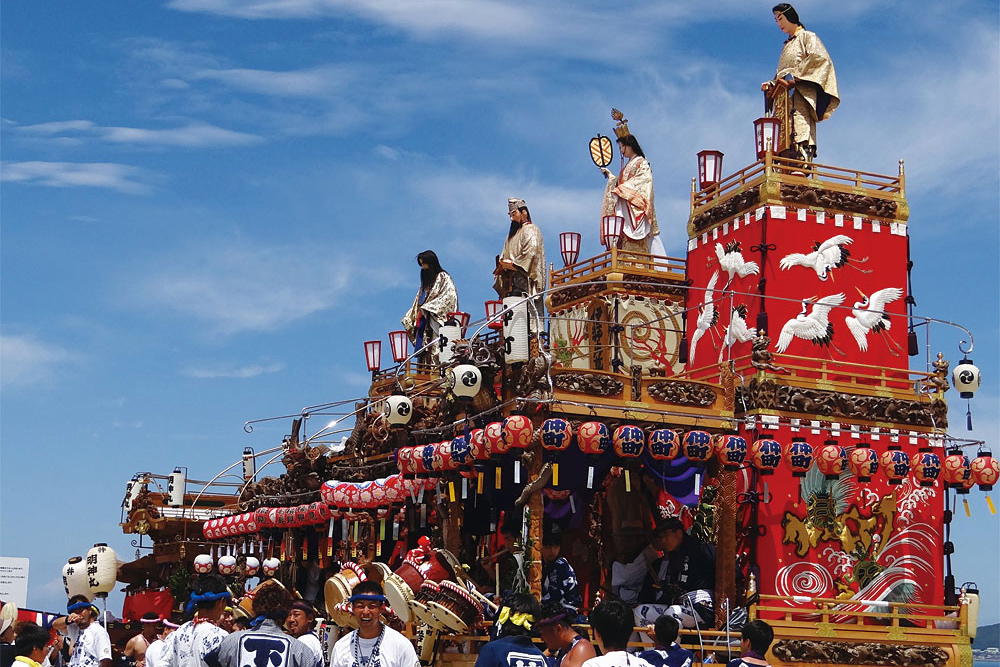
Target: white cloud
x=195, y=134
x=120, y=177
x=324, y=81
x=26, y=360
x=235, y=372
x=234, y=287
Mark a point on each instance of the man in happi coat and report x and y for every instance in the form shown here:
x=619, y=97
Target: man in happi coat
x=805, y=68
x=436, y=298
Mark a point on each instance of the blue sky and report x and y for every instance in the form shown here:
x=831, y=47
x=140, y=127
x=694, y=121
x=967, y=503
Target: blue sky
x=207, y=205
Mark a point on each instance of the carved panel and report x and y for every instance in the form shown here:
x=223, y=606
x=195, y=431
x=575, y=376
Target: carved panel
x=843, y=201
x=576, y=292
x=679, y=392
x=586, y=383
x=844, y=653
x=770, y=395
x=726, y=209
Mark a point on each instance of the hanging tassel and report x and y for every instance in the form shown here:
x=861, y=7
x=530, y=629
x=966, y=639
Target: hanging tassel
x=697, y=484
x=590, y=477
x=423, y=516
x=989, y=503
x=465, y=488
x=479, y=482
x=496, y=482
x=329, y=539
x=517, y=472
x=555, y=474
x=968, y=416
x=628, y=481
x=451, y=491
x=572, y=504
x=282, y=556
x=965, y=503
x=305, y=548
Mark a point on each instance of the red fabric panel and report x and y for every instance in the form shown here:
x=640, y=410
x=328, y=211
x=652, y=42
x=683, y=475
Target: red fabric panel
x=158, y=602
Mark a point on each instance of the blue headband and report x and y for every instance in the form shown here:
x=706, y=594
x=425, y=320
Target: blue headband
x=370, y=597
x=206, y=597
x=257, y=620
x=77, y=606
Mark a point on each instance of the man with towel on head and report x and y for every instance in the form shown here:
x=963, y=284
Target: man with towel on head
x=373, y=644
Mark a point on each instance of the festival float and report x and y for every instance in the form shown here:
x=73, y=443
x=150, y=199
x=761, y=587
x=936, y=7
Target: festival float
x=758, y=388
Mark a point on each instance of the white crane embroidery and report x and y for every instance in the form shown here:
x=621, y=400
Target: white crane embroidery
x=826, y=256
x=869, y=315
x=708, y=315
x=731, y=260
x=814, y=326
x=737, y=331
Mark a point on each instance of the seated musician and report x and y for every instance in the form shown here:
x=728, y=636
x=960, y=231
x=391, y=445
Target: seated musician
x=683, y=578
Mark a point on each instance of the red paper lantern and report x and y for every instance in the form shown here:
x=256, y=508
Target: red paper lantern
x=493, y=435
x=395, y=489
x=956, y=469
x=404, y=461
x=831, y=459
x=379, y=498
x=697, y=446
x=301, y=516
x=628, y=441
x=863, y=462
x=664, y=444
x=895, y=463
x=516, y=432
x=426, y=456
x=493, y=314
x=557, y=434
x=766, y=455
x=927, y=467
x=800, y=457
x=731, y=449
x=443, y=459
x=460, y=451
x=260, y=516
x=985, y=470
x=593, y=438
x=477, y=443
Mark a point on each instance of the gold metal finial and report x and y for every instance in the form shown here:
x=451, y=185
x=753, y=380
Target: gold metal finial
x=621, y=129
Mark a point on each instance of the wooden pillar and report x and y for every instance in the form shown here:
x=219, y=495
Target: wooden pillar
x=725, y=545
x=537, y=511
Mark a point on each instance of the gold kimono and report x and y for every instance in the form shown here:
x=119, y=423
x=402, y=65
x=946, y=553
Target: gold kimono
x=630, y=195
x=816, y=96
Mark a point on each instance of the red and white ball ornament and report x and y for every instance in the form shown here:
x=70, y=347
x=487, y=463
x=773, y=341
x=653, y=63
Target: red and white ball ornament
x=203, y=563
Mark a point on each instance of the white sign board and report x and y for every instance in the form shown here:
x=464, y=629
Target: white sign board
x=14, y=580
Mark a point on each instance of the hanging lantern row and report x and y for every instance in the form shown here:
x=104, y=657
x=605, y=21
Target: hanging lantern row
x=373, y=494
x=227, y=565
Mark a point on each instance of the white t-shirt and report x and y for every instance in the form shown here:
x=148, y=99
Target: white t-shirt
x=89, y=646
x=312, y=641
x=395, y=650
x=153, y=653
x=616, y=659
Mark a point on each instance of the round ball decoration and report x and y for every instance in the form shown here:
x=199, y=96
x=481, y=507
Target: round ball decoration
x=203, y=563
x=557, y=434
x=398, y=410
x=465, y=380
x=863, y=462
x=731, y=449
x=227, y=564
x=956, y=469
x=493, y=436
x=831, y=459
x=927, y=467
x=593, y=438
x=74, y=575
x=664, y=444
x=985, y=470
x=516, y=432
x=628, y=441
x=800, y=457
x=271, y=566
x=102, y=569
x=252, y=566
x=697, y=446
x=766, y=455
x=896, y=464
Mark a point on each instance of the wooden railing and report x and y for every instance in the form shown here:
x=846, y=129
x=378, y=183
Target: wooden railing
x=620, y=260
x=791, y=169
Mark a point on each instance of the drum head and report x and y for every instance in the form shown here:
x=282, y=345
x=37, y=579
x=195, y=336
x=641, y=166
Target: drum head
x=399, y=596
x=379, y=572
x=334, y=592
x=446, y=617
x=425, y=616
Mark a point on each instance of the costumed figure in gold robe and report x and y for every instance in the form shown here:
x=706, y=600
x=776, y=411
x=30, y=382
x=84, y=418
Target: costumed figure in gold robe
x=436, y=298
x=806, y=70
x=630, y=195
x=520, y=269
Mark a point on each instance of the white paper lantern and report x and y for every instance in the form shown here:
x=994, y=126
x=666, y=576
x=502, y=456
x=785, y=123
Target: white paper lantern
x=966, y=378
x=203, y=563
x=398, y=410
x=227, y=564
x=102, y=569
x=271, y=566
x=75, y=581
x=176, y=487
x=132, y=490
x=515, y=329
x=448, y=333
x=253, y=566
x=465, y=380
